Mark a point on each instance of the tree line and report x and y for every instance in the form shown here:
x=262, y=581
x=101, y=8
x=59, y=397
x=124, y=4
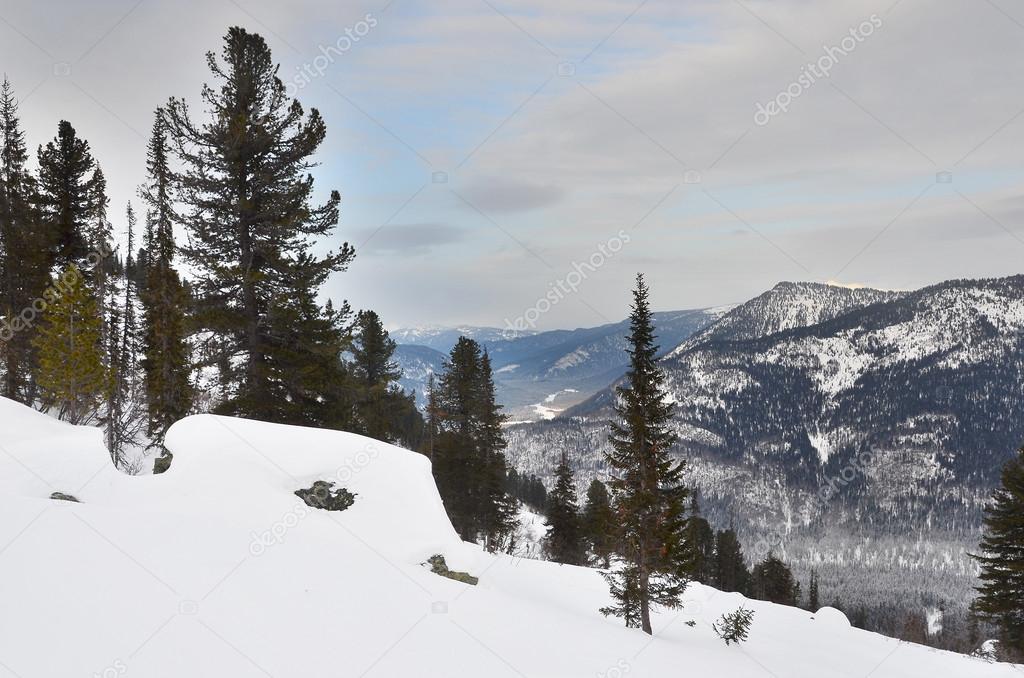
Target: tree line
x=121, y=338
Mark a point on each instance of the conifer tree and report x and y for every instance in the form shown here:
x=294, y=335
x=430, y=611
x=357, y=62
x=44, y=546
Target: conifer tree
x=813, y=599
x=1001, y=593
x=647, y=482
x=381, y=403
x=72, y=373
x=252, y=227
x=773, y=581
x=730, y=567
x=126, y=411
x=66, y=196
x=599, y=523
x=166, y=363
x=24, y=271
x=468, y=452
x=700, y=547
x=564, y=540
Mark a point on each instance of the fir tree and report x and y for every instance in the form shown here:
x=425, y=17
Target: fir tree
x=773, y=581
x=252, y=228
x=563, y=542
x=813, y=602
x=72, y=374
x=383, y=407
x=468, y=451
x=599, y=523
x=24, y=264
x=647, y=483
x=730, y=568
x=66, y=196
x=126, y=412
x=1001, y=593
x=700, y=547
x=165, y=355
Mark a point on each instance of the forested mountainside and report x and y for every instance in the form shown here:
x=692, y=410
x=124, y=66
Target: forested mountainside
x=821, y=421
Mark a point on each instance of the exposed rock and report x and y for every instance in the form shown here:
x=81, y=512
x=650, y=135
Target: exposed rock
x=438, y=566
x=60, y=496
x=322, y=496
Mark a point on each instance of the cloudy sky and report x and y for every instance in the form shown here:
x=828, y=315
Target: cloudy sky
x=491, y=151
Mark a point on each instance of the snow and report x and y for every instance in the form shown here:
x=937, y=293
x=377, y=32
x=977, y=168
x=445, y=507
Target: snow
x=215, y=568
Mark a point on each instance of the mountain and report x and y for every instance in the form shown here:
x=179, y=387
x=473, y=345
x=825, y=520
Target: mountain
x=443, y=338
x=859, y=432
x=538, y=375
x=417, y=363
x=216, y=568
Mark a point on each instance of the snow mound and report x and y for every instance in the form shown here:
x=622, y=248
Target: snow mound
x=831, y=617
x=216, y=568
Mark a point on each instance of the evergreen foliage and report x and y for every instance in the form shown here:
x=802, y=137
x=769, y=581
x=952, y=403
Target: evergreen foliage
x=1001, y=593
x=772, y=580
x=24, y=260
x=165, y=354
x=247, y=189
x=647, y=483
x=72, y=375
x=598, y=523
x=468, y=442
x=564, y=540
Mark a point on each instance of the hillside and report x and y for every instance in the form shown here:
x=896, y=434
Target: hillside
x=215, y=568
x=539, y=375
x=910, y=399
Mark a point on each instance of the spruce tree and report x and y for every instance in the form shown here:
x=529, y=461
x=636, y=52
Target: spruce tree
x=126, y=411
x=813, y=601
x=700, y=547
x=468, y=448
x=24, y=264
x=166, y=363
x=72, y=374
x=730, y=572
x=1001, y=593
x=381, y=403
x=598, y=523
x=564, y=540
x=647, y=482
x=773, y=581
x=66, y=197
x=252, y=227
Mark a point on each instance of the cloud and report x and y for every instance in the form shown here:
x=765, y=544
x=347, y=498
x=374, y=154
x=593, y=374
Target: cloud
x=502, y=195
x=406, y=239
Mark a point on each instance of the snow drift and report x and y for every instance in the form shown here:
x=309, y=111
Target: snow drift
x=216, y=568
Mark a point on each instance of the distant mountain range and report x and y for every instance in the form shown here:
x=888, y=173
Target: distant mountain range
x=857, y=431
x=538, y=375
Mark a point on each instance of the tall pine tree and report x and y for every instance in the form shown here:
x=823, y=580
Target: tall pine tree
x=647, y=482
x=599, y=523
x=1001, y=593
x=252, y=227
x=166, y=364
x=564, y=540
x=24, y=264
x=468, y=448
x=66, y=197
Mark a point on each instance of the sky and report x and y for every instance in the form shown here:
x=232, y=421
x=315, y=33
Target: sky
x=516, y=163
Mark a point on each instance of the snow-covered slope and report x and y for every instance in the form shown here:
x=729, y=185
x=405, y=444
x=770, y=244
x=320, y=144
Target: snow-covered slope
x=910, y=399
x=216, y=569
